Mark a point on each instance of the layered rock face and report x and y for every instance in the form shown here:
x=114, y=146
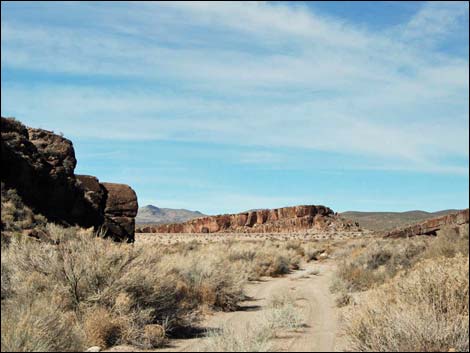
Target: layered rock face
x=40, y=166
x=287, y=219
x=432, y=226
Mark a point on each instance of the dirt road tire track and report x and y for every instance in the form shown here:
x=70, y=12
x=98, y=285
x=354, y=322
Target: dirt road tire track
x=314, y=299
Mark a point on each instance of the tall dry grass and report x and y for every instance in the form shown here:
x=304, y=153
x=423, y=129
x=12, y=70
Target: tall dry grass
x=367, y=265
x=425, y=310
x=16, y=216
x=414, y=293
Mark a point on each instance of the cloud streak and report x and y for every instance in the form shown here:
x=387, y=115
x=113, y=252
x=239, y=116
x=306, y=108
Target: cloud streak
x=249, y=74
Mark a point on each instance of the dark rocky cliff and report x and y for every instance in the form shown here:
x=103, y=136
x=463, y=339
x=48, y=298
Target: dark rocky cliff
x=40, y=165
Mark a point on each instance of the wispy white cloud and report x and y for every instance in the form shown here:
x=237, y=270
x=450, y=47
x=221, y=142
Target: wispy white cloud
x=256, y=74
x=435, y=20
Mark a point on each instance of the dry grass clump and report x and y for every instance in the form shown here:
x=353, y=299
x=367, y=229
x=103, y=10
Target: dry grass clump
x=365, y=267
x=252, y=338
x=263, y=259
x=417, y=293
x=449, y=242
x=208, y=277
x=101, y=328
x=36, y=325
x=312, y=253
x=424, y=310
x=282, y=313
x=15, y=215
x=155, y=335
x=295, y=245
x=320, y=250
x=343, y=299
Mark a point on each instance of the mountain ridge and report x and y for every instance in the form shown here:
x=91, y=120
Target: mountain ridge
x=151, y=214
x=384, y=221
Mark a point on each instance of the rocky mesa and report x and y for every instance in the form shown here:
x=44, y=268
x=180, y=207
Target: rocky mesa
x=40, y=165
x=286, y=219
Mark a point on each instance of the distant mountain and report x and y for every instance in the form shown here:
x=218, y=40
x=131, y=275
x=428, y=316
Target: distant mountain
x=384, y=221
x=154, y=215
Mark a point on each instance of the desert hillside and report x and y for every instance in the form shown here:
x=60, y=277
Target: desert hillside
x=155, y=215
x=383, y=221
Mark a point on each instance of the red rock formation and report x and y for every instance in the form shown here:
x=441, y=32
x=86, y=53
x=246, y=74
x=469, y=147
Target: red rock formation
x=40, y=166
x=287, y=219
x=432, y=226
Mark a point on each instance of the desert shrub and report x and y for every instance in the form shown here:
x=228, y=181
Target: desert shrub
x=154, y=335
x=15, y=215
x=275, y=262
x=251, y=338
x=282, y=313
x=212, y=280
x=124, y=294
x=448, y=243
x=378, y=258
x=343, y=299
x=101, y=328
x=365, y=267
x=372, y=265
x=423, y=310
x=119, y=292
x=242, y=254
x=34, y=325
x=262, y=259
x=296, y=246
x=312, y=253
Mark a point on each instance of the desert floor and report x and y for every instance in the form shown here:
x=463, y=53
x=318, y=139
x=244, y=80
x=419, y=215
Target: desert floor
x=309, y=286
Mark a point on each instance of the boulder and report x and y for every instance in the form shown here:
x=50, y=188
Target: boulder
x=121, y=200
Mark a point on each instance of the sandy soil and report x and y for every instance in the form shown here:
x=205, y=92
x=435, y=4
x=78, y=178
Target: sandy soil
x=172, y=238
x=312, y=295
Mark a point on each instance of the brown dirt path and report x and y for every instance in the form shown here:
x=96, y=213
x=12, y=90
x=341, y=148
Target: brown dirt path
x=313, y=297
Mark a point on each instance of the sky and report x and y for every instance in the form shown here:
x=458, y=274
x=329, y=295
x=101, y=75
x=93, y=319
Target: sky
x=225, y=107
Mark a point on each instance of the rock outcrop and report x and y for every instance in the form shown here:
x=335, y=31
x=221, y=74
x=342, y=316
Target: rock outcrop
x=287, y=219
x=120, y=209
x=40, y=166
x=455, y=220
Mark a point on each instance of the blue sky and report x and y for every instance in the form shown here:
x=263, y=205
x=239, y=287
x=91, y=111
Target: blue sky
x=223, y=107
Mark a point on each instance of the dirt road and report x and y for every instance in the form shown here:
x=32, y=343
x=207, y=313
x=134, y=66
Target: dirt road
x=313, y=297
